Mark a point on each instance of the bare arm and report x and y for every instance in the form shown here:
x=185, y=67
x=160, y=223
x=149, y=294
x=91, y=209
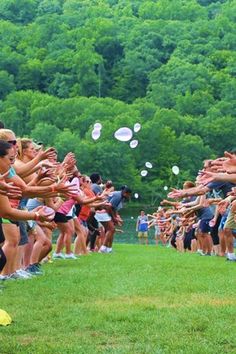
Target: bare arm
x=181, y=193
x=26, y=169
x=6, y=211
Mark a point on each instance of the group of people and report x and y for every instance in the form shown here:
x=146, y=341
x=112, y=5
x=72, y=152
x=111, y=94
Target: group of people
x=201, y=217
x=39, y=194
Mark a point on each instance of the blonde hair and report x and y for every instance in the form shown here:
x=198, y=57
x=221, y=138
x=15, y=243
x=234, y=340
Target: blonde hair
x=22, y=145
x=4, y=133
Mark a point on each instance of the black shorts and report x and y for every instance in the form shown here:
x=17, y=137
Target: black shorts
x=59, y=217
x=2, y=238
x=77, y=209
x=188, y=237
x=8, y=221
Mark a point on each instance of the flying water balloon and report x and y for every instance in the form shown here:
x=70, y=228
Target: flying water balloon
x=144, y=173
x=175, y=170
x=136, y=195
x=137, y=127
x=123, y=134
x=148, y=164
x=165, y=188
x=96, y=134
x=97, y=126
x=133, y=144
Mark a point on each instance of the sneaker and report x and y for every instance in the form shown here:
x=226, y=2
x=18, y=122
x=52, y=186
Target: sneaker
x=201, y=253
x=109, y=250
x=231, y=259
x=4, y=277
x=34, y=269
x=15, y=276
x=70, y=256
x=58, y=255
x=103, y=249
x=23, y=273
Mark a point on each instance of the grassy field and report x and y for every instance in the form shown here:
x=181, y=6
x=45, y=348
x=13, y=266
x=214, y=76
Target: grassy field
x=137, y=300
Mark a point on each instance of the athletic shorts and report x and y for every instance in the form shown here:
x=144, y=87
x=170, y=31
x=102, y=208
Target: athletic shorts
x=188, y=237
x=230, y=223
x=23, y=233
x=59, y=217
x=77, y=209
x=102, y=217
x=142, y=234
x=223, y=220
x=157, y=231
x=8, y=221
x=204, y=226
x=2, y=238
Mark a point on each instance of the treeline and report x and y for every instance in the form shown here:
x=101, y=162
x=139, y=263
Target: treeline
x=168, y=65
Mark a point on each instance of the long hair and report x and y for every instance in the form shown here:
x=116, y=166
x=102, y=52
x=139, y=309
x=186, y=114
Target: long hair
x=22, y=145
x=4, y=134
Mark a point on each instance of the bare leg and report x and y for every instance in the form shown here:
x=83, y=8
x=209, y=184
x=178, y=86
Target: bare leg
x=110, y=231
x=12, y=237
x=80, y=241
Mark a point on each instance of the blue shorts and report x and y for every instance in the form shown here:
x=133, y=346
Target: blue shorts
x=204, y=226
x=222, y=222
x=23, y=233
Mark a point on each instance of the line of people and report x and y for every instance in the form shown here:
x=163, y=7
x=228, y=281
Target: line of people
x=38, y=194
x=201, y=217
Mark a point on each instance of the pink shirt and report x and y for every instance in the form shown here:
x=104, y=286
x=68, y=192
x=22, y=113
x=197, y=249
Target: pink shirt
x=68, y=204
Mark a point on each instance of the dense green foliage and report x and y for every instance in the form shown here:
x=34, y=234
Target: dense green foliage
x=169, y=65
x=141, y=300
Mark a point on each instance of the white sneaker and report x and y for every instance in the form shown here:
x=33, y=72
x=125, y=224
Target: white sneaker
x=109, y=250
x=15, y=275
x=103, y=249
x=231, y=257
x=3, y=277
x=70, y=256
x=58, y=255
x=23, y=274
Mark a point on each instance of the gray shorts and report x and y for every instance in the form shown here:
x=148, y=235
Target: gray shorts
x=23, y=233
x=102, y=217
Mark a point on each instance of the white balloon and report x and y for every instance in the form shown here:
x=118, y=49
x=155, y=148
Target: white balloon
x=148, y=164
x=131, y=217
x=137, y=127
x=175, y=170
x=165, y=188
x=97, y=126
x=123, y=134
x=136, y=195
x=96, y=134
x=133, y=144
x=144, y=173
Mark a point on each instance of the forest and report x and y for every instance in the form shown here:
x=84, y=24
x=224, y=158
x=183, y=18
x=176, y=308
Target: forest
x=168, y=65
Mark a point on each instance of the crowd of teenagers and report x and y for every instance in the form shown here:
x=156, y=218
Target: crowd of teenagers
x=201, y=217
x=39, y=194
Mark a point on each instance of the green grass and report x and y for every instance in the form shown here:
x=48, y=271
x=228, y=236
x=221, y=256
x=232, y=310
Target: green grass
x=137, y=300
